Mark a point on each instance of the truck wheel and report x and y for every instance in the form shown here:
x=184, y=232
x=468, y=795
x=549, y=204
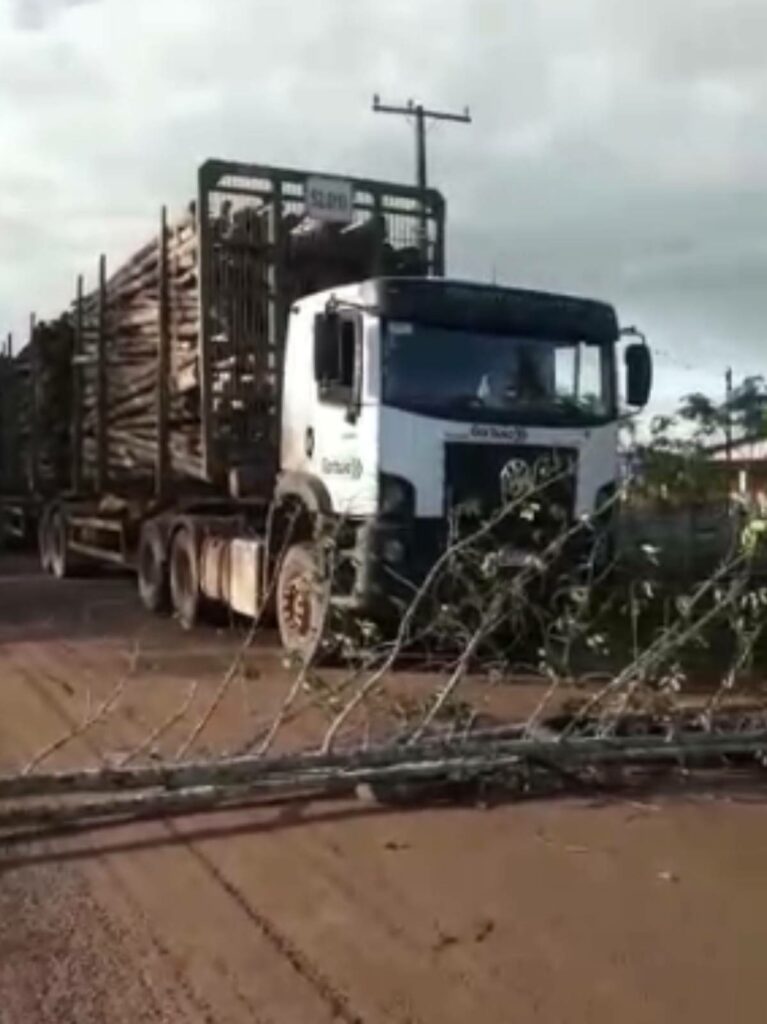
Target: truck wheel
x=58, y=551
x=300, y=612
x=184, y=579
x=153, y=577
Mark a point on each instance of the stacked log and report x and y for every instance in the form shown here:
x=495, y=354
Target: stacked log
x=37, y=410
x=134, y=343
x=119, y=341
x=9, y=473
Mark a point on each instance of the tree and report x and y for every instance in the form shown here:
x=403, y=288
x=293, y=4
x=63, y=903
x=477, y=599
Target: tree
x=747, y=407
x=676, y=465
x=706, y=416
x=744, y=412
x=675, y=468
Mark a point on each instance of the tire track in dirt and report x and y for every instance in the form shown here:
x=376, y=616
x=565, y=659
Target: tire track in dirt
x=397, y=922
x=175, y=969
x=123, y=939
x=336, y=1000
x=312, y=854
x=66, y=893
x=42, y=680
x=54, y=942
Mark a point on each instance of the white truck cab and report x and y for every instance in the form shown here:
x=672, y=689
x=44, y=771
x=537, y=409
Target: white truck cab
x=404, y=398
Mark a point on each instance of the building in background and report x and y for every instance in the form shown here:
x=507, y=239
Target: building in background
x=744, y=464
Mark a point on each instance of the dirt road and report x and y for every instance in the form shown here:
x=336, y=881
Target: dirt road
x=558, y=912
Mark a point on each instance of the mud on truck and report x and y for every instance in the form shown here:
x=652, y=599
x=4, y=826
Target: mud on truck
x=289, y=361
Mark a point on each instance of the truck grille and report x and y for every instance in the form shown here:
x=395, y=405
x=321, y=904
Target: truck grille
x=481, y=478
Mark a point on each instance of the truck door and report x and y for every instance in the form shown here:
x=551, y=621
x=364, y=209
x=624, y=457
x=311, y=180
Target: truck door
x=344, y=450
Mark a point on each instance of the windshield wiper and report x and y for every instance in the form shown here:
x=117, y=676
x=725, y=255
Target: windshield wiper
x=558, y=407
x=440, y=401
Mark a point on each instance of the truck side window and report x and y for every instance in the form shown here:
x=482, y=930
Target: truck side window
x=335, y=361
x=346, y=354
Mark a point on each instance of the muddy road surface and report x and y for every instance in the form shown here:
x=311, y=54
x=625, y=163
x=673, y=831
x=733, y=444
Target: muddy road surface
x=564, y=911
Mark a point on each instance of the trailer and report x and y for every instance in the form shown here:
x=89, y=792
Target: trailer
x=287, y=362
x=172, y=405
x=35, y=409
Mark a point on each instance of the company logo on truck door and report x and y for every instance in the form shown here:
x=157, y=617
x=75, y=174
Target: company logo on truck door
x=350, y=467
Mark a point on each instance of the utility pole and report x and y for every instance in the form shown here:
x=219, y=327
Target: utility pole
x=421, y=114
x=728, y=412
x=34, y=403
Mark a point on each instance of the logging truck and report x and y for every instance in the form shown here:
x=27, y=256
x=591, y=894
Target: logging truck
x=289, y=359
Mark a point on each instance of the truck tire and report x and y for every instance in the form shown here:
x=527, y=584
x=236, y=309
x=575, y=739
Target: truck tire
x=300, y=611
x=153, y=575
x=184, y=578
x=59, y=557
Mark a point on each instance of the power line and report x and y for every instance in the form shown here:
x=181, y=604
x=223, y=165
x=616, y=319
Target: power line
x=421, y=115
x=728, y=411
x=678, y=363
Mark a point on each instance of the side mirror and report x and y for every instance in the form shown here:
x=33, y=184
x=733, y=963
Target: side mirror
x=638, y=359
x=326, y=332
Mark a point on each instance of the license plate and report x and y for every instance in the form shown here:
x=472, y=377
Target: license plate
x=514, y=558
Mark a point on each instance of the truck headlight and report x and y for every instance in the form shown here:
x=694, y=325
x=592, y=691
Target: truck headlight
x=393, y=551
x=396, y=496
x=604, y=503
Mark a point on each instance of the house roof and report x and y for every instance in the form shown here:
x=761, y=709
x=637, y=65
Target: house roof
x=751, y=448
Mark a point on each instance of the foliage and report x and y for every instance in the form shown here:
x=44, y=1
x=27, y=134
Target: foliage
x=706, y=415
x=676, y=470
x=748, y=406
x=675, y=464
x=744, y=411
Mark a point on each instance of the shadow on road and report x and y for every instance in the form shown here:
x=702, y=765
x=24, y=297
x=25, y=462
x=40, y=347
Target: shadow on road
x=30, y=847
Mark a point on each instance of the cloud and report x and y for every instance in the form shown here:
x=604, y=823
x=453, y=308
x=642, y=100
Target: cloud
x=617, y=149
x=34, y=15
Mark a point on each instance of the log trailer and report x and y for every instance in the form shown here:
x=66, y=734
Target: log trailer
x=35, y=404
x=289, y=356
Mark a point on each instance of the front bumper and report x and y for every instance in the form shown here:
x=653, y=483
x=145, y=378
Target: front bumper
x=390, y=560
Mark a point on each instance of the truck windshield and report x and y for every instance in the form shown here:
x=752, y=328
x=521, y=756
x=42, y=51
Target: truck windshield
x=460, y=374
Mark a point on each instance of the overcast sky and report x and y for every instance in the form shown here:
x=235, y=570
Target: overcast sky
x=619, y=147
